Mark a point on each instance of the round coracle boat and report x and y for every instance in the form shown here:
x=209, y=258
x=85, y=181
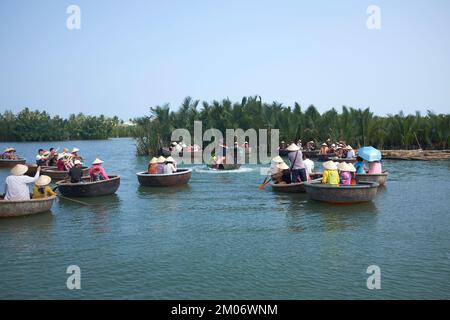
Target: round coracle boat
x=58, y=175
x=7, y=163
x=86, y=188
x=181, y=177
x=24, y=207
x=361, y=192
x=32, y=168
x=379, y=178
x=224, y=166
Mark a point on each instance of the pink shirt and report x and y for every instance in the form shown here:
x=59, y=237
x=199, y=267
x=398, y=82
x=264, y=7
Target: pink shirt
x=375, y=167
x=100, y=168
x=346, y=178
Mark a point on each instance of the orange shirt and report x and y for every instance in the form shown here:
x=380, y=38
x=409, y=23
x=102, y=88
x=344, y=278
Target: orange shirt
x=152, y=168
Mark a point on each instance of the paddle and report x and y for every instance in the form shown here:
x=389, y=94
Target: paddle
x=265, y=182
x=77, y=201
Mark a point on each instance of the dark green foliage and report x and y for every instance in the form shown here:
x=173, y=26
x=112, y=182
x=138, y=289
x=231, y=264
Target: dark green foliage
x=39, y=126
x=357, y=127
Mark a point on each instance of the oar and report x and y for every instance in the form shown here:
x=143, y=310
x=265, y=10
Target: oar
x=77, y=201
x=265, y=182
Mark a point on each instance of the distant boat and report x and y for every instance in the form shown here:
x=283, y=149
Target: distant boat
x=7, y=163
x=181, y=177
x=58, y=175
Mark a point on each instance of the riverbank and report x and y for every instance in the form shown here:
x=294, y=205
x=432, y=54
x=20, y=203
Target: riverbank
x=418, y=155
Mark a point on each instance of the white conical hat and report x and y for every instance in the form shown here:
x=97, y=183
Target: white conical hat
x=161, y=159
x=19, y=169
x=75, y=150
x=97, y=161
x=330, y=165
x=351, y=167
x=342, y=166
x=277, y=159
x=154, y=160
x=282, y=166
x=43, y=181
x=293, y=147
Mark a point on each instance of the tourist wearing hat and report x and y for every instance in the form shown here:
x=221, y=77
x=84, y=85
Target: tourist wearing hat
x=9, y=154
x=53, y=157
x=298, y=169
x=16, y=185
x=283, y=175
x=152, y=166
x=323, y=149
x=352, y=170
x=350, y=152
x=171, y=166
x=161, y=165
x=344, y=174
x=330, y=173
x=97, y=172
x=60, y=162
x=41, y=189
x=76, y=172
x=274, y=163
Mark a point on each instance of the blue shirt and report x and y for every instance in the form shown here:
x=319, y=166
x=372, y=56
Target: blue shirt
x=359, y=165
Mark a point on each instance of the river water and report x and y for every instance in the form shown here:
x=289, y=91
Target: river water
x=221, y=238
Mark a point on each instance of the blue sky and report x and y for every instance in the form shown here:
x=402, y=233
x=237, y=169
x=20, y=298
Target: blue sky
x=130, y=55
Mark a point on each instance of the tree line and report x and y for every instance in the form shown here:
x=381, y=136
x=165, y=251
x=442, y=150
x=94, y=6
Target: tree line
x=29, y=125
x=355, y=126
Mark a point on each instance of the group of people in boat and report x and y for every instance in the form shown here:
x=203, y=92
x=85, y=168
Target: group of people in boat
x=16, y=185
x=309, y=146
x=9, y=154
x=301, y=169
x=337, y=149
x=162, y=165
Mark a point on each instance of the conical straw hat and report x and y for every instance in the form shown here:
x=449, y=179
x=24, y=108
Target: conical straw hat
x=154, y=160
x=282, y=166
x=161, y=159
x=43, y=181
x=293, y=147
x=342, y=166
x=330, y=165
x=277, y=159
x=19, y=169
x=97, y=161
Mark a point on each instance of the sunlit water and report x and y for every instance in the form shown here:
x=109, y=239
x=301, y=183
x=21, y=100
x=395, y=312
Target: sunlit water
x=221, y=238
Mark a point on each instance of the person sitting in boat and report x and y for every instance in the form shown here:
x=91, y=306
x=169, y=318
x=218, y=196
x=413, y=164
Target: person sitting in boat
x=344, y=174
x=171, y=166
x=68, y=162
x=97, y=166
x=274, y=164
x=283, y=175
x=53, y=157
x=360, y=166
x=41, y=159
x=9, y=154
x=298, y=169
x=350, y=152
x=41, y=188
x=309, y=165
x=375, y=167
x=352, y=170
x=330, y=173
x=60, y=162
x=161, y=165
x=323, y=149
x=16, y=185
x=152, y=166
x=76, y=172
x=74, y=154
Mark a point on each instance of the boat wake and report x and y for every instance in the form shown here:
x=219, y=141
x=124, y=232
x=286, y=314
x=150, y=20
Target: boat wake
x=203, y=169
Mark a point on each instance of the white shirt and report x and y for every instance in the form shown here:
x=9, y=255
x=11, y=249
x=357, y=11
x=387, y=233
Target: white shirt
x=16, y=187
x=169, y=168
x=309, y=165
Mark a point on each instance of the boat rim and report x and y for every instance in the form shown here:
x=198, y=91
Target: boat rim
x=360, y=185
x=27, y=201
x=65, y=183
